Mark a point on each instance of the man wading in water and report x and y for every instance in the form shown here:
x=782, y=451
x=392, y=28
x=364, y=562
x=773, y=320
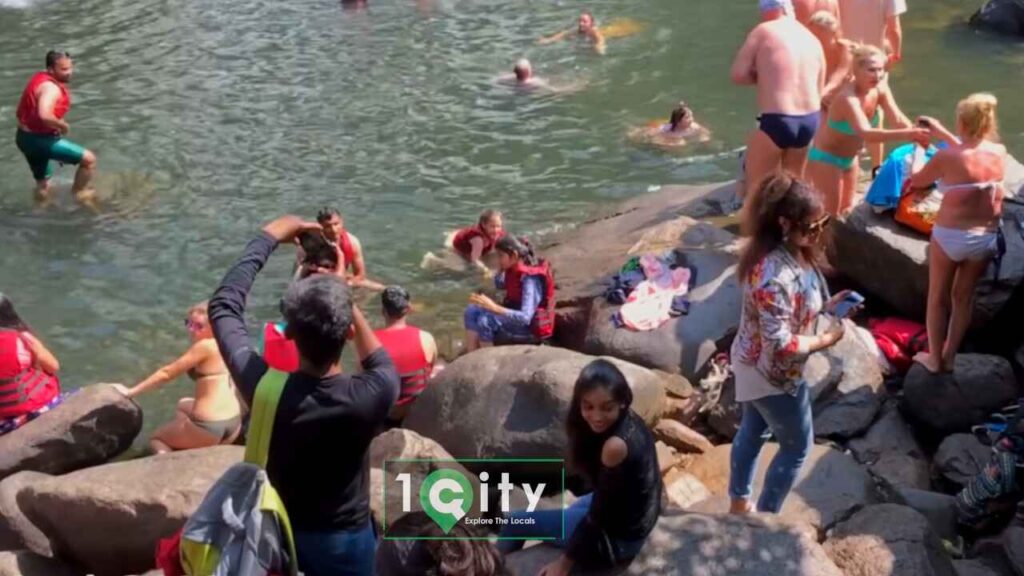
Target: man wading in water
x=42, y=130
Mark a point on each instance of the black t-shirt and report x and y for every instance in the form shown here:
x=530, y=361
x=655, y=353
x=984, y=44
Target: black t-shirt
x=323, y=426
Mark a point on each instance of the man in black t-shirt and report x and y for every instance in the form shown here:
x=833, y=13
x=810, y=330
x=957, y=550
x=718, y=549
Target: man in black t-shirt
x=325, y=419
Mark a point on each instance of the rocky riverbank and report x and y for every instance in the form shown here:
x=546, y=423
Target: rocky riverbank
x=874, y=497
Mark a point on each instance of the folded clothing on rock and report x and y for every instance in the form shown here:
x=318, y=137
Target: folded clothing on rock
x=652, y=302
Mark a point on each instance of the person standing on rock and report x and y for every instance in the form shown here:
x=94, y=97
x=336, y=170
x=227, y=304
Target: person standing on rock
x=413, y=351
x=325, y=419
x=784, y=293
x=42, y=130
x=965, y=237
x=29, y=386
x=786, y=64
x=613, y=449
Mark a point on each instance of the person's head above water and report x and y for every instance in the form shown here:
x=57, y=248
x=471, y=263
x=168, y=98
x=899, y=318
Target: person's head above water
x=396, y=302
x=512, y=250
x=868, y=65
x=9, y=319
x=331, y=221
x=197, y=321
x=600, y=399
x=58, y=64
x=586, y=22
x=775, y=9
x=318, y=313
x=490, y=223
x=681, y=118
x=976, y=116
x=523, y=70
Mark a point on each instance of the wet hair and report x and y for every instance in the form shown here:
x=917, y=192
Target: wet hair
x=9, y=319
x=781, y=195
x=318, y=312
x=679, y=113
x=589, y=14
x=440, y=554
x=54, y=56
x=486, y=216
x=395, y=301
x=326, y=213
x=522, y=69
x=521, y=247
x=319, y=251
x=825, y=20
x=202, y=308
x=585, y=445
x=864, y=52
x=976, y=115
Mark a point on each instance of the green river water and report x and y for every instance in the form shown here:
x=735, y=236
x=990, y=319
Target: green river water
x=211, y=117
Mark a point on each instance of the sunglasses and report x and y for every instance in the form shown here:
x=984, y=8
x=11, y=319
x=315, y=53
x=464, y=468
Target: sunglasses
x=193, y=326
x=818, y=226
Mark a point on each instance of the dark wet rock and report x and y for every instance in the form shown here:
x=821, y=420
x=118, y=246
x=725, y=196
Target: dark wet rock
x=888, y=539
x=17, y=532
x=948, y=403
x=960, y=458
x=24, y=563
x=890, y=451
x=1002, y=16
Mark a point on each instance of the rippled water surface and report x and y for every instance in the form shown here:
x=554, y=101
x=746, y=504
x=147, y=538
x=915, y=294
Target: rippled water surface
x=211, y=117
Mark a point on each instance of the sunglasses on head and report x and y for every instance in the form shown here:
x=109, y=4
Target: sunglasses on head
x=818, y=225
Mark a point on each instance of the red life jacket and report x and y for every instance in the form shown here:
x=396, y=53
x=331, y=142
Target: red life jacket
x=463, y=238
x=279, y=352
x=345, y=243
x=543, y=324
x=28, y=106
x=899, y=339
x=23, y=389
x=406, y=351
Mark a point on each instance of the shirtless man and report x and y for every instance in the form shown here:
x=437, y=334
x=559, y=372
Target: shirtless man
x=804, y=9
x=522, y=76
x=349, y=250
x=787, y=65
x=42, y=130
x=585, y=28
x=838, y=53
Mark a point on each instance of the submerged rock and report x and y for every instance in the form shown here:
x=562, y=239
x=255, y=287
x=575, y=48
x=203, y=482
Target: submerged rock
x=948, y=403
x=1002, y=16
x=92, y=426
x=888, y=539
x=511, y=401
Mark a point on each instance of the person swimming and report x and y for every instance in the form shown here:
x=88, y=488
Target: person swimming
x=586, y=28
x=680, y=130
x=471, y=245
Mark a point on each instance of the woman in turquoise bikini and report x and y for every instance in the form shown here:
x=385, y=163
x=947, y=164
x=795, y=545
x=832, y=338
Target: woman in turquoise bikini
x=832, y=161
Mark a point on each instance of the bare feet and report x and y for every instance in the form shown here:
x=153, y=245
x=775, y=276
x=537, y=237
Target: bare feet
x=933, y=364
x=741, y=507
x=87, y=198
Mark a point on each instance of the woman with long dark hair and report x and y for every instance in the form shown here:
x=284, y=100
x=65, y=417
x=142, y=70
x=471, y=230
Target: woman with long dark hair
x=784, y=292
x=527, y=312
x=611, y=447
x=29, y=385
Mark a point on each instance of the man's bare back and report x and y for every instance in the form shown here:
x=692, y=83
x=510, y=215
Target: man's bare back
x=788, y=64
x=807, y=8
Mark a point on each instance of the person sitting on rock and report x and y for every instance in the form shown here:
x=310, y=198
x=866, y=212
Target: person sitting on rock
x=325, y=419
x=527, y=313
x=611, y=447
x=29, y=385
x=413, y=351
x=964, y=238
x=783, y=294
x=464, y=551
x=214, y=415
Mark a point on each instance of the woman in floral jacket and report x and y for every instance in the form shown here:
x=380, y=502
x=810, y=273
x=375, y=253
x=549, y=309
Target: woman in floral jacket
x=783, y=294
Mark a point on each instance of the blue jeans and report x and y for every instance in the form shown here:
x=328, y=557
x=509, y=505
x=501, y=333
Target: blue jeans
x=490, y=326
x=341, y=553
x=789, y=417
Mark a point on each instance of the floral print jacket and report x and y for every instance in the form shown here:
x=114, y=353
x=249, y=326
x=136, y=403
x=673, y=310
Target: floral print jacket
x=781, y=300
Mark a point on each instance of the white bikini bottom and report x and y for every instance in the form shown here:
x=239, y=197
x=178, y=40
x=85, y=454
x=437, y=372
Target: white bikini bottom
x=960, y=245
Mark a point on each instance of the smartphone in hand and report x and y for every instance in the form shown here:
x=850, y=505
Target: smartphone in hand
x=847, y=305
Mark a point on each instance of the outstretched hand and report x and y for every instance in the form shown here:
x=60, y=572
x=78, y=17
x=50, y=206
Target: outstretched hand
x=286, y=228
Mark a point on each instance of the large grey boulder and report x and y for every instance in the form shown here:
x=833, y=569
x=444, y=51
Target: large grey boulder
x=710, y=545
x=828, y=488
x=890, y=451
x=585, y=259
x=948, y=403
x=17, y=532
x=109, y=518
x=92, y=426
x=886, y=540
x=1002, y=16
x=938, y=508
x=24, y=563
x=512, y=401
x=960, y=458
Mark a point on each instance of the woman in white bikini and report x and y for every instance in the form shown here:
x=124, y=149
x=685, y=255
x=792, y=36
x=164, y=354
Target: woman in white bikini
x=969, y=173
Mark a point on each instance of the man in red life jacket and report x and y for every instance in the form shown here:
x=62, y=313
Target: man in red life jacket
x=350, y=250
x=42, y=130
x=413, y=351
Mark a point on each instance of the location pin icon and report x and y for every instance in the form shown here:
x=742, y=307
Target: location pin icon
x=446, y=496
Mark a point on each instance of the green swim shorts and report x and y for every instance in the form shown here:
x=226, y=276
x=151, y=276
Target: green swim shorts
x=39, y=149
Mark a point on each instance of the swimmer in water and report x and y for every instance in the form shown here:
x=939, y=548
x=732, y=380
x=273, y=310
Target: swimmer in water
x=586, y=28
x=680, y=129
x=471, y=245
x=522, y=77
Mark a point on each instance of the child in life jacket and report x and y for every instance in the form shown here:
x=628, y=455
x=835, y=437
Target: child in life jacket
x=471, y=244
x=29, y=385
x=527, y=312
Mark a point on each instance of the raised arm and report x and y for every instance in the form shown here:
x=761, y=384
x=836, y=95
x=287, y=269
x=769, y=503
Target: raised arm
x=924, y=175
x=190, y=359
x=555, y=37
x=743, y=70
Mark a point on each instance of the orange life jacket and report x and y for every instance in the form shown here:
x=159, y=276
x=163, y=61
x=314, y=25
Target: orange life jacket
x=406, y=351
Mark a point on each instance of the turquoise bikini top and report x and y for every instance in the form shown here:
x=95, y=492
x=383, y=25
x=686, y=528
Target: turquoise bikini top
x=843, y=127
